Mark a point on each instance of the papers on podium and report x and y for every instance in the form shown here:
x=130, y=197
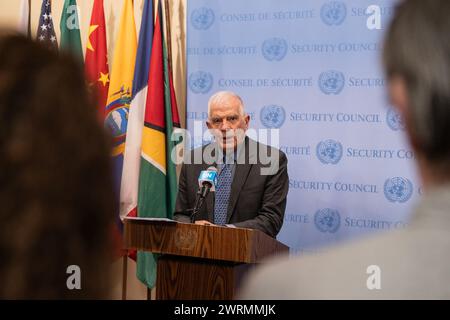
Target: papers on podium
x=151, y=219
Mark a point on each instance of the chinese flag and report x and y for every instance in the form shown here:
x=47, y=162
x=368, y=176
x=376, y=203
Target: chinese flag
x=96, y=62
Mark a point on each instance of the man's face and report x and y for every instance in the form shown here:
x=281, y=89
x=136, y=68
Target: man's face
x=227, y=124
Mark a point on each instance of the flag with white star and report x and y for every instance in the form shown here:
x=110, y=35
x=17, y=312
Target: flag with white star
x=46, y=33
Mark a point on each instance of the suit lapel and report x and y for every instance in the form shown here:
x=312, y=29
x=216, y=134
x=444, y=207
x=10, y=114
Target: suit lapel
x=240, y=176
x=241, y=171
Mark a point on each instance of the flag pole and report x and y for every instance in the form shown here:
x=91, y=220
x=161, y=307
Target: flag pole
x=168, y=34
x=149, y=293
x=29, y=20
x=124, y=276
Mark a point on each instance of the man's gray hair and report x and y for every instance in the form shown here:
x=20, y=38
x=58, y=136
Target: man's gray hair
x=417, y=49
x=221, y=97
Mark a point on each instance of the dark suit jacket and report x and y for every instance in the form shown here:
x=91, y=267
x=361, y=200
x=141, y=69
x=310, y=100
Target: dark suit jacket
x=256, y=201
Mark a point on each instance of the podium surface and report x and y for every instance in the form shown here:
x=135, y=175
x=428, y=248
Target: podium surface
x=198, y=261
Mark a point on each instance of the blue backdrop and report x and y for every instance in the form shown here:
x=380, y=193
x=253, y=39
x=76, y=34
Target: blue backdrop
x=311, y=69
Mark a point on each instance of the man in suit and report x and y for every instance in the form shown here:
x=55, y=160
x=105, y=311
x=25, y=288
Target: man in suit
x=252, y=178
x=413, y=263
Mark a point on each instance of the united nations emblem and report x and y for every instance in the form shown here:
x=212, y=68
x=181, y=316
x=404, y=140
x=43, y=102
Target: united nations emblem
x=331, y=82
x=398, y=189
x=202, y=18
x=272, y=116
x=333, y=13
x=329, y=151
x=185, y=239
x=116, y=119
x=200, y=82
x=394, y=120
x=274, y=49
x=327, y=220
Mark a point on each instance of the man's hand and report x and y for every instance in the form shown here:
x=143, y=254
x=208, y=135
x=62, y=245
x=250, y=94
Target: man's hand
x=204, y=223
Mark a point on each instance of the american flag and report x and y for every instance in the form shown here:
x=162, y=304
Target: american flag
x=46, y=33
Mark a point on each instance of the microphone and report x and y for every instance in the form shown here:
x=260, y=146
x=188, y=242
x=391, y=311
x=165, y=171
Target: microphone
x=207, y=181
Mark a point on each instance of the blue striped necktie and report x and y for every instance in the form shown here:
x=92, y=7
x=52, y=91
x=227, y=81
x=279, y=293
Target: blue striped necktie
x=223, y=190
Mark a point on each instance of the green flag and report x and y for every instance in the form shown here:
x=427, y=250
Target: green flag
x=70, y=29
x=157, y=176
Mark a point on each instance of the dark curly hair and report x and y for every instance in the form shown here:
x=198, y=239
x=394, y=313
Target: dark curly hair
x=56, y=193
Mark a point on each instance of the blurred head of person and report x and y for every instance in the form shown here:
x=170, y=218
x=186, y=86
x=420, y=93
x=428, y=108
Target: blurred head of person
x=417, y=64
x=55, y=178
x=227, y=120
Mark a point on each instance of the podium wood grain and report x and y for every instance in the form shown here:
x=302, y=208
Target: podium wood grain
x=199, y=262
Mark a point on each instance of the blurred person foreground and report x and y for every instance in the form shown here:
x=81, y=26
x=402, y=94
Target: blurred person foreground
x=413, y=263
x=56, y=188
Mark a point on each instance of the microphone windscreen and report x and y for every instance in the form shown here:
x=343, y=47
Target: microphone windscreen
x=209, y=177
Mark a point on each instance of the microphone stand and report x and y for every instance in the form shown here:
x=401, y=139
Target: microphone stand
x=202, y=193
x=199, y=200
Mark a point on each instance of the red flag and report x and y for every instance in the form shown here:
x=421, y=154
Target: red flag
x=155, y=97
x=173, y=99
x=97, y=75
x=96, y=63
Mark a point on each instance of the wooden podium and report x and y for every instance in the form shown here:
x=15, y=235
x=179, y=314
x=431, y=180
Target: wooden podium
x=199, y=262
